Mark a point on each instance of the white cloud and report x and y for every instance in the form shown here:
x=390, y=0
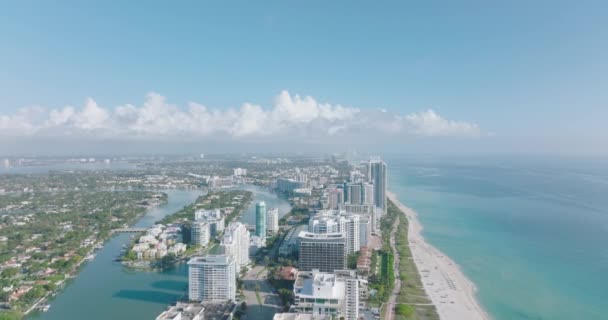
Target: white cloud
x=291, y=116
x=429, y=123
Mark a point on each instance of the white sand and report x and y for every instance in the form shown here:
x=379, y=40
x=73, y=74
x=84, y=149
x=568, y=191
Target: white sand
x=450, y=290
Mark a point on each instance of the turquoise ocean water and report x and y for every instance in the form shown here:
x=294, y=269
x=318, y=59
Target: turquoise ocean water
x=531, y=233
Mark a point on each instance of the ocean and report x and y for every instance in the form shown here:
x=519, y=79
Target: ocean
x=530, y=232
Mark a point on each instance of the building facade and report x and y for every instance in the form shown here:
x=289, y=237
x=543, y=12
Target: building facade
x=335, y=198
x=200, y=233
x=272, y=220
x=212, y=278
x=235, y=243
x=334, y=221
x=260, y=219
x=324, y=252
x=335, y=294
x=214, y=218
x=377, y=175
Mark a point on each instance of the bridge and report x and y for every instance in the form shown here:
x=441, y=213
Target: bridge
x=129, y=230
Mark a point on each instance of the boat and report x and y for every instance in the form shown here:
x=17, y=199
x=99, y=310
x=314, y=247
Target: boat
x=45, y=308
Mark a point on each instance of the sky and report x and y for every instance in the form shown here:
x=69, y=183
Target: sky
x=417, y=76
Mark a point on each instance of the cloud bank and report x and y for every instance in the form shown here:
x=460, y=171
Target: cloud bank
x=290, y=117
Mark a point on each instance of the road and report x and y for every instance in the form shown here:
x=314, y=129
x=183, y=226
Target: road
x=390, y=306
x=269, y=304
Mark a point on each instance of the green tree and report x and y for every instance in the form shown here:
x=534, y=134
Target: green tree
x=10, y=272
x=10, y=315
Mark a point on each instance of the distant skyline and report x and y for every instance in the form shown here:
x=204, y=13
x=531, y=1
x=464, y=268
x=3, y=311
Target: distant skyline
x=466, y=77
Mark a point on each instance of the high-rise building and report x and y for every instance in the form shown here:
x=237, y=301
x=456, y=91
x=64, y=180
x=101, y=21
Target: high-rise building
x=355, y=193
x=346, y=189
x=324, y=224
x=272, y=220
x=288, y=185
x=333, y=221
x=200, y=233
x=301, y=177
x=377, y=175
x=212, y=278
x=351, y=293
x=235, y=243
x=260, y=219
x=214, y=218
x=335, y=198
x=363, y=209
x=325, y=252
x=365, y=229
x=368, y=193
x=350, y=227
x=333, y=293
x=239, y=172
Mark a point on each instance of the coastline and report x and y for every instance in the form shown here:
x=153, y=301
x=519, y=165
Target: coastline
x=98, y=246
x=452, y=293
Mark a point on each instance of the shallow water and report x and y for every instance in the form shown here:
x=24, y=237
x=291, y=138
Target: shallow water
x=530, y=233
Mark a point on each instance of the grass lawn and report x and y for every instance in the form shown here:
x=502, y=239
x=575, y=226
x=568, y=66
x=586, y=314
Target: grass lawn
x=412, y=292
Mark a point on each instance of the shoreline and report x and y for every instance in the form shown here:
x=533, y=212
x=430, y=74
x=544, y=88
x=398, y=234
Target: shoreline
x=73, y=274
x=452, y=293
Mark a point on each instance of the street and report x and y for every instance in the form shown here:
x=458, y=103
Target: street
x=390, y=307
x=269, y=303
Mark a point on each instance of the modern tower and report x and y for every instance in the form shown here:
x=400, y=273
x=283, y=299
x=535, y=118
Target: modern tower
x=200, y=233
x=272, y=220
x=260, y=219
x=333, y=221
x=235, y=243
x=377, y=175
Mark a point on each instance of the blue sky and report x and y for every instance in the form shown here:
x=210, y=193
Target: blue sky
x=520, y=71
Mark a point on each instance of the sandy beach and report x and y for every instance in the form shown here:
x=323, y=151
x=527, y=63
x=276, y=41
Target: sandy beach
x=451, y=291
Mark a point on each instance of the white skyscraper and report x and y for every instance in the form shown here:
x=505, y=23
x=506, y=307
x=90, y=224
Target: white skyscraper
x=200, y=233
x=235, y=243
x=365, y=229
x=212, y=278
x=272, y=220
x=368, y=193
x=323, y=224
x=214, y=218
x=351, y=229
x=332, y=221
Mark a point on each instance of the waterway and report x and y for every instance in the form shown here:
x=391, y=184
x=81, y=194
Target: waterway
x=104, y=289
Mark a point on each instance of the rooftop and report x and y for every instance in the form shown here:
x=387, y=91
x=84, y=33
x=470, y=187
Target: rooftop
x=220, y=259
x=183, y=311
x=300, y=316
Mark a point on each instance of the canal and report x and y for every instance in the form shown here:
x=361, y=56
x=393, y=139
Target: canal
x=104, y=289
